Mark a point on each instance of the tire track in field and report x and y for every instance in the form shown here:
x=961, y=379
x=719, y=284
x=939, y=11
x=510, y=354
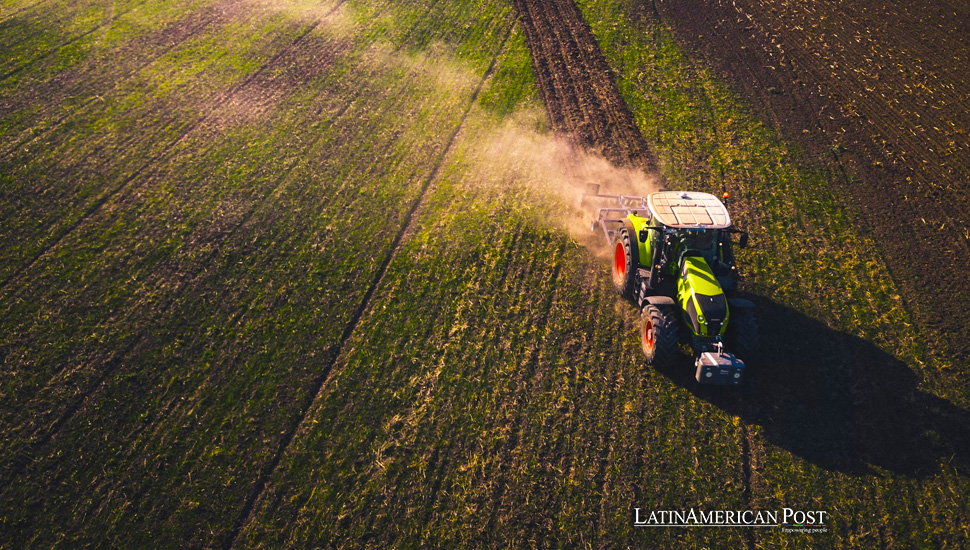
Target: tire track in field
x=576, y=84
x=68, y=42
x=746, y=439
x=607, y=445
x=18, y=464
x=746, y=473
x=333, y=354
x=189, y=128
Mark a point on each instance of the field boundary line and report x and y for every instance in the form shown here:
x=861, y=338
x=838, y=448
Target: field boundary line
x=166, y=150
x=333, y=354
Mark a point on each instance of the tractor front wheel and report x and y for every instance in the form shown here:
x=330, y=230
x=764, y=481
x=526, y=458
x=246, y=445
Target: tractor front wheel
x=658, y=337
x=624, y=270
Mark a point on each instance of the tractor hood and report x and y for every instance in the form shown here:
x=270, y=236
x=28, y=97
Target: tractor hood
x=701, y=298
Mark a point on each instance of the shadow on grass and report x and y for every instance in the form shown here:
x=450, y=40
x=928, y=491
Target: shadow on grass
x=839, y=402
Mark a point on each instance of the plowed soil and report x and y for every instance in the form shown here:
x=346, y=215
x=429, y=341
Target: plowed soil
x=576, y=83
x=879, y=92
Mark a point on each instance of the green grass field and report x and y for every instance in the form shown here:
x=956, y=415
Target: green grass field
x=285, y=275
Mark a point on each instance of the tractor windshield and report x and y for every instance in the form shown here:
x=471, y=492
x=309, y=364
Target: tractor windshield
x=700, y=240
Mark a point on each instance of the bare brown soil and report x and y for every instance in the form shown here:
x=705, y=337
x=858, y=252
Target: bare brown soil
x=576, y=84
x=879, y=92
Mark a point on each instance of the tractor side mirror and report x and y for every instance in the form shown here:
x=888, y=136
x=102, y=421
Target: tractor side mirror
x=743, y=241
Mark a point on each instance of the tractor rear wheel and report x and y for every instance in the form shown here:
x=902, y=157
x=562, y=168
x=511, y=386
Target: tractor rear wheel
x=624, y=268
x=658, y=337
x=743, y=329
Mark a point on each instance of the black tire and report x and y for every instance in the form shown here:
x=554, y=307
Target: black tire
x=743, y=329
x=624, y=264
x=658, y=337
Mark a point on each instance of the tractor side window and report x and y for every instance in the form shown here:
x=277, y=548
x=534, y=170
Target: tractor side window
x=726, y=250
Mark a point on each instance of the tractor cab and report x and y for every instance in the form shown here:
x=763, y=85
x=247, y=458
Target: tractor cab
x=696, y=225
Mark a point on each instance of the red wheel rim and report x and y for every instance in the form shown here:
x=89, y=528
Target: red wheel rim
x=619, y=262
x=648, y=334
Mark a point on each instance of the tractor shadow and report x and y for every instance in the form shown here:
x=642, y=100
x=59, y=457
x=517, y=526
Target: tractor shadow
x=839, y=401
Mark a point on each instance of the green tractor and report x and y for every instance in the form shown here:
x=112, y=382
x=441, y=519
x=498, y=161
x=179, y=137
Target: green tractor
x=672, y=257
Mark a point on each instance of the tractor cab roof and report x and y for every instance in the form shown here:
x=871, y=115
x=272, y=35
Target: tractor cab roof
x=688, y=210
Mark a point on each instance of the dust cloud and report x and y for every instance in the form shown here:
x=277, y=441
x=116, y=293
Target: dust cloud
x=516, y=155
x=555, y=172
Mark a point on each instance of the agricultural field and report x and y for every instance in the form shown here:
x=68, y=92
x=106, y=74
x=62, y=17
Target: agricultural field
x=309, y=274
x=853, y=372
x=878, y=93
